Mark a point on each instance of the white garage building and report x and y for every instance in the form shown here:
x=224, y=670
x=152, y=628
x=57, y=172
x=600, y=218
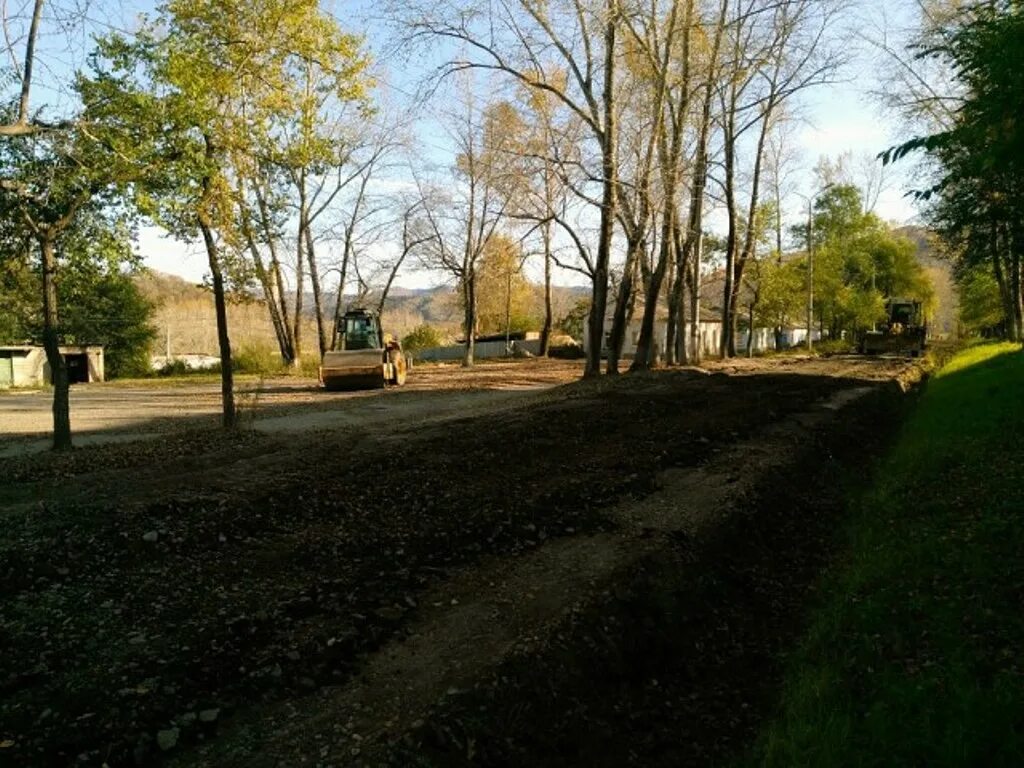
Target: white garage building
x=26, y=366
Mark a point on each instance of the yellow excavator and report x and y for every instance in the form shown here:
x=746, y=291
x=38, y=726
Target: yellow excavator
x=365, y=357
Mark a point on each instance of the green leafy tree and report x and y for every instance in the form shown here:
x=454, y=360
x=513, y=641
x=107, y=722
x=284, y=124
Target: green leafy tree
x=422, y=337
x=49, y=181
x=782, y=295
x=575, y=319
x=981, y=307
x=19, y=299
x=978, y=158
x=213, y=79
x=109, y=309
x=858, y=263
x=504, y=295
x=100, y=302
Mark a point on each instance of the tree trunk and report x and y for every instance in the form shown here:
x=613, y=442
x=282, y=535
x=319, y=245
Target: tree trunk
x=670, y=152
x=314, y=280
x=266, y=280
x=609, y=170
x=727, y=344
x=51, y=343
x=673, y=330
x=696, y=350
x=390, y=281
x=1005, y=291
x=339, y=304
x=620, y=318
x=1014, y=242
x=683, y=347
x=276, y=278
x=545, y=333
x=227, y=383
x=693, y=250
x=683, y=352
x=645, y=347
x=469, y=305
x=300, y=285
x=750, y=238
x=1015, y=294
x=750, y=330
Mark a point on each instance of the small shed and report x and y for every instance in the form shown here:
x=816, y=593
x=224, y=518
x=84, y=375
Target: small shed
x=26, y=365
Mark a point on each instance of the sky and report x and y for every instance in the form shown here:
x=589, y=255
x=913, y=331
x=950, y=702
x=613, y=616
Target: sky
x=833, y=120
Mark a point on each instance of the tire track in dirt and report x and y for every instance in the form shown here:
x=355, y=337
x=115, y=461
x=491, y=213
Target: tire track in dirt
x=477, y=618
x=283, y=586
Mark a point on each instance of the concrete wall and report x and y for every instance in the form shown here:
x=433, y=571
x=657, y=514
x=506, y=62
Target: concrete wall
x=482, y=350
x=795, y=337
x=709, y=336
x=194, y=362
x=31, y=369
x=764, y=340
x=97, y=367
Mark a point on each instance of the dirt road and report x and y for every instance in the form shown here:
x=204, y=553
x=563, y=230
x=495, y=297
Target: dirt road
x=601, y=574
x=124, y=411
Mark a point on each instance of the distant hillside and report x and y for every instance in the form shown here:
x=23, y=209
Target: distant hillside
x=186, y=322
x=440, y=307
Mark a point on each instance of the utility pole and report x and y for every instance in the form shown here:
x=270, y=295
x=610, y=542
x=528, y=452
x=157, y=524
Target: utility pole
x=810, y=272
x=810, y=260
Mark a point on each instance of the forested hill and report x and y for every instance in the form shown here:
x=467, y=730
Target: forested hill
x=185, y=313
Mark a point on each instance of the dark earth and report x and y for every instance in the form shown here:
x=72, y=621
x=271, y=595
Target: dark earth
x=605, y=573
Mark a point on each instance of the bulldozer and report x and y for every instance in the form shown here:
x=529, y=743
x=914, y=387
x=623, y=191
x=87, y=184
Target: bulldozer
x=364, y=358
x=905, y=332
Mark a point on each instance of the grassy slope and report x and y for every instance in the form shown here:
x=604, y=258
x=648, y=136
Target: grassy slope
x=916, y=656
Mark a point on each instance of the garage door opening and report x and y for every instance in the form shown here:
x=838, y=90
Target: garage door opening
x=78, y=368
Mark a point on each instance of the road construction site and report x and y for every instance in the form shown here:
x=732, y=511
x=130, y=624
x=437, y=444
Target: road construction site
x=506, y=566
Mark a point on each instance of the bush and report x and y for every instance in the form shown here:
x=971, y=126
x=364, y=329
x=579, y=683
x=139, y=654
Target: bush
x=576, y=319
x=423, y=337
x=179, y=368
x=256, y=359
x=835, y=346
x=567, y=352
x=259, y=360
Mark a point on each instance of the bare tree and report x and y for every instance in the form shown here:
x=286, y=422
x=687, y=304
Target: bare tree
x=689, y=243
x=547, y=161
x=464, y=214
x=778, y=49
x=668, y=56
x=416, y=234
x=529, y=42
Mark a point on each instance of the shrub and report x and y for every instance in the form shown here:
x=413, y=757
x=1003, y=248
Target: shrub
x=256, y=359
x=834, y=346
x=175, y=368
x=422, y=337
x=567, y=352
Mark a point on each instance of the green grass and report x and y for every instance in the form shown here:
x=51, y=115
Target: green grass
x=916, y=653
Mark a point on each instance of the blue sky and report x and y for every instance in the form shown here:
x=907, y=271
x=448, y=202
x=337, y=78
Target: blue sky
x=836, y=119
